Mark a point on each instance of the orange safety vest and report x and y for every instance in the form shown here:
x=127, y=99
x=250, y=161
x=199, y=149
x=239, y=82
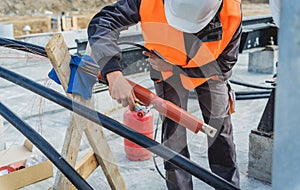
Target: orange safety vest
x=169, y=42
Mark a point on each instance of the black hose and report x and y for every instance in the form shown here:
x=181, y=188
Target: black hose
x=250, y=85
x=136, y=45
x=154, y=155
x=243, y=93
x=23, y=46
x=120, y=129
x=252, y=97
x=46, y=148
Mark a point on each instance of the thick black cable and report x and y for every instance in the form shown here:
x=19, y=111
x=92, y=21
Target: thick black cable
x=46, y=148
x=244, y=93
x=154, y=155
x=39, y=50
x=252, y=97
x=27, y=47
x=250, y=85
x=23, y=46
x=136, y=45
x=120, y=129
x=31, y=48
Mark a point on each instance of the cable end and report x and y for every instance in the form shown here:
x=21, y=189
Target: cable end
x=209, y=130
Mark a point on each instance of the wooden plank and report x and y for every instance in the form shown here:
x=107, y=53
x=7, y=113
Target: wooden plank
x=104, y=157
x=85, y=167
x=60, y=58
x=69, y=152
x=87, y=164
x=59, y=55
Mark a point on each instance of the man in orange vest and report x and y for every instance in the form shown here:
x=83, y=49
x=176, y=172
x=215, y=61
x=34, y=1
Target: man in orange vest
x=194, y=47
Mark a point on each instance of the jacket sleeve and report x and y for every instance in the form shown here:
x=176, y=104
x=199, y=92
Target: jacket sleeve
x=104, y=30
x=229, y=56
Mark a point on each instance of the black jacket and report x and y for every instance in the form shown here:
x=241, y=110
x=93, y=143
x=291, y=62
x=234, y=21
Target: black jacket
x=105, y=27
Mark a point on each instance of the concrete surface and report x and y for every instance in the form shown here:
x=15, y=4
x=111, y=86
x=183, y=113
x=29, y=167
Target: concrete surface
x=260, y=157
x=263, y=60
x=51, y=122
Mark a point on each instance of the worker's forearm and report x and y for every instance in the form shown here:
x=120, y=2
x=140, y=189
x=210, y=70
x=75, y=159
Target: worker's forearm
x=104, y=29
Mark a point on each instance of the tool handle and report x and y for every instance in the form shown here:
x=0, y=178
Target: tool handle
x=172, y=111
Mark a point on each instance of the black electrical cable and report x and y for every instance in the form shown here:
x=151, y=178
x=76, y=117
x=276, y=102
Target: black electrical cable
x=23, y=46
x=38, y=50
x=135, y=44
x=120, y=129
x=250, y=85
x=243, y=93
x=154, y=155
x=27, y=47
x=155, y=134
x=252, y=97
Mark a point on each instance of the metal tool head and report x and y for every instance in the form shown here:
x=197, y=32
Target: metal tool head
x=209, y=130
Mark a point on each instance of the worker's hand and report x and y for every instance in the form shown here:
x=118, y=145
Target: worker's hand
x=157, y=63
x=120, y=89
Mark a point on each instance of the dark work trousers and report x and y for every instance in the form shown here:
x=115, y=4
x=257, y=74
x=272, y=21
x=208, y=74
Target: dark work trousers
x=213, y=98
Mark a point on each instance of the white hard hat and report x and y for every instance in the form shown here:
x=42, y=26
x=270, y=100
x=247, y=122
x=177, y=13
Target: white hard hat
x=190, y=16
x=275, y=8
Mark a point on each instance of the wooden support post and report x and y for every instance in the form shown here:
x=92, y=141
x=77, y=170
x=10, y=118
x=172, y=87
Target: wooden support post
x=59, y=56
x=87, y=164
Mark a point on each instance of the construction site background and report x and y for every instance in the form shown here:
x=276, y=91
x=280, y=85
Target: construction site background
x=57, y=15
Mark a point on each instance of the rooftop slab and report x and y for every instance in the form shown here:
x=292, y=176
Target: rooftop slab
x=51, y=121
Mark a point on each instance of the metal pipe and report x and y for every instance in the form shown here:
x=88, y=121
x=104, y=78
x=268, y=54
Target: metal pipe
x=45, y=147
x=120, y=129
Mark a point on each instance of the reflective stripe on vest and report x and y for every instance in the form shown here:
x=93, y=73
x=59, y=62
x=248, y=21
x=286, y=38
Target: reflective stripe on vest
x=169, y=42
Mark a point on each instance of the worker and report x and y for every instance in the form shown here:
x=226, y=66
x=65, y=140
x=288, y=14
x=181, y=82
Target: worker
x=194, y=46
